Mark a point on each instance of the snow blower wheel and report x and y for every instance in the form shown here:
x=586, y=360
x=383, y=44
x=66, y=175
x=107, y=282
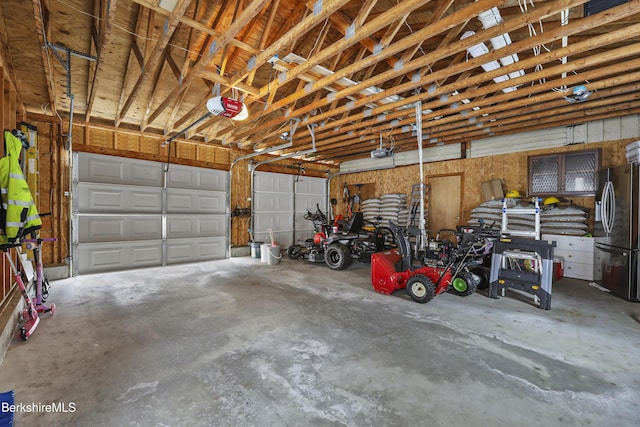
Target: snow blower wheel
x=464, y=284
x=483, y=274
x=421, y=288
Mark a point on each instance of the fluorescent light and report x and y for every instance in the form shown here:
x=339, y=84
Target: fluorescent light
x=516, y=74
x=490, y=66
x=168, y=4
x=508, y=60
x=490, y=18
x=497, y=42
x=500, y=41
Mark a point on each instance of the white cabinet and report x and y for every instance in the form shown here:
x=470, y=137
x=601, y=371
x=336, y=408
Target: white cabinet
x=578, y=254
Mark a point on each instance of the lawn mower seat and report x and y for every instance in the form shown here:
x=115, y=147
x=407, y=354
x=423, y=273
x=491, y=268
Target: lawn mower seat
x=355, y=224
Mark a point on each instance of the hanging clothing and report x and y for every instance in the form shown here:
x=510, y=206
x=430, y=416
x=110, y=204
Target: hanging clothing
x=19, y=214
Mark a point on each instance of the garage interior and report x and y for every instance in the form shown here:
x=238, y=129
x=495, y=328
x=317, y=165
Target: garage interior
x=170, y=143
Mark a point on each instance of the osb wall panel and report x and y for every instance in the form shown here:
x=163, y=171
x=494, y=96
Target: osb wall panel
x=129, y=142
x=186, y=151
x=149, y=145
x=100, y=138
x=511, y=168
x=9, y=112
x=53, y=169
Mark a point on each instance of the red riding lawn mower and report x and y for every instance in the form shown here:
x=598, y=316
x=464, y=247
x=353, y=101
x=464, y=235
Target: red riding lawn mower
x=338, y=245
x=440, y=266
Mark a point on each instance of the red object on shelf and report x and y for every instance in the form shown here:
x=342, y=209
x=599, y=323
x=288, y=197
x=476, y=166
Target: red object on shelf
x=558, y=268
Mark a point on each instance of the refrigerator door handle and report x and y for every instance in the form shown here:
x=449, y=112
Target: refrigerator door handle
x=609, y=249
x=608, y=207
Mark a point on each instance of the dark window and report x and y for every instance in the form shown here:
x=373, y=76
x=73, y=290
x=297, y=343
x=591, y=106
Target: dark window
x=564, y=174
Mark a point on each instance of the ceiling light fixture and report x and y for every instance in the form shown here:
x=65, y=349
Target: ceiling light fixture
x=490, y=18
x=578, y=94
x=481, y=49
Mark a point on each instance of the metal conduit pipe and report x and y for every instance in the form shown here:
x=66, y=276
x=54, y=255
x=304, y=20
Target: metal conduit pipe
x=286, y=156
x=248, y=156
x=69, y=148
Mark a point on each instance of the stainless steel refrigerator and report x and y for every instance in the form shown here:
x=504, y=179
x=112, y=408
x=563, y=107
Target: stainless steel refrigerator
x=616, y=231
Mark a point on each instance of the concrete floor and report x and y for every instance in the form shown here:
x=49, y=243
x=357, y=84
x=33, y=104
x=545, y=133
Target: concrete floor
x=242, y=343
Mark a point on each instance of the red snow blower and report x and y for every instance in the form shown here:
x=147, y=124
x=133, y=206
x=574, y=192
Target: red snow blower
x=443, y=266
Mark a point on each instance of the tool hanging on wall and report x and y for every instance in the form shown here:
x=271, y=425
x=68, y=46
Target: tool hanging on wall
x=357, y=199
x=345, y=194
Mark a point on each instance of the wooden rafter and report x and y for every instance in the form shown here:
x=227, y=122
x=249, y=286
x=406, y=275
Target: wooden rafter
x=156, y=54
x=449, y=22
x=214, y=47
x=40, y=13
x=529, y=63
x=504, y=102
x=104, y=38
x=352, y=70
x=134, y=53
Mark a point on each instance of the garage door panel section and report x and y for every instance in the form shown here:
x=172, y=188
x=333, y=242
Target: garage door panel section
x=264, y=222
x=117, y=170
x=102, y=198
x=315, y=186
x=307, y=202
x=196, y=178
x=280, y=203
x=273, y=183
x=118, y=228
x=280, y=225
x=304, y=227
x=181, y=226
x=197, y=214
x=127, y=212
x=193, y=250
x=310, y=195
x=195, y=201
x=102, y=257
x=277, y=203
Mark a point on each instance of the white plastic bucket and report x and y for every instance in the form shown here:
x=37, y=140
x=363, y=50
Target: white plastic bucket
x=274, y=255
x=264, y=252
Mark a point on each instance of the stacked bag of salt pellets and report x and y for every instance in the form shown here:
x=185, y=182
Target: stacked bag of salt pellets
x=389, y=207
x=566, y=220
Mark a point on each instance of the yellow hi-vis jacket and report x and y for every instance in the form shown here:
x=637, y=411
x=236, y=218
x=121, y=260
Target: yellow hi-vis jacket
x=20, y=212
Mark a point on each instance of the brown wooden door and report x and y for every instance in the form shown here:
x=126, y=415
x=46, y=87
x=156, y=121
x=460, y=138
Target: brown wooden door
x=445, y=202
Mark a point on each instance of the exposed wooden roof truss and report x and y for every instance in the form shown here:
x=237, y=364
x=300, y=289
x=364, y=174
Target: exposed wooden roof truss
x=353, y=71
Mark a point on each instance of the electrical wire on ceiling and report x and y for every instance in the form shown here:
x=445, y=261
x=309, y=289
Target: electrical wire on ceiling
x=420, y=47
x=537, y=50
x=318, y=38
x=523, y=5
x=97, y=18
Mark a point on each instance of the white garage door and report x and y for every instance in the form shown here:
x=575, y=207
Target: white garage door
x=133, y=213
x=280, y=202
